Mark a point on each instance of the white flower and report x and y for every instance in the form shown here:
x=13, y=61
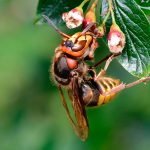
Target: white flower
x=116, y=39
x=73, y=18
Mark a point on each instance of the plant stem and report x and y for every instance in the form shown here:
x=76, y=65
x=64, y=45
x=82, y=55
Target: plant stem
x=106, y=18
x=83, y=3
x=111, y=10
x=93, y=5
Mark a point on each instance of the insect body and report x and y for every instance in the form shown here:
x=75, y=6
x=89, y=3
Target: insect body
x=85, y=88
x=70, y=70
x=93, y=92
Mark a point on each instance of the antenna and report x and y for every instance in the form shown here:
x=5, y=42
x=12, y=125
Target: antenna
x=53, y=25
x=88, y=27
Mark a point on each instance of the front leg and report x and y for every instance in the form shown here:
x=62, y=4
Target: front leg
x=103, y=71
x=93, y=47
x=109, y=60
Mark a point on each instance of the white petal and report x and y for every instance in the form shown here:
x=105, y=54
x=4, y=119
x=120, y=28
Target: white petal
x=114, y=40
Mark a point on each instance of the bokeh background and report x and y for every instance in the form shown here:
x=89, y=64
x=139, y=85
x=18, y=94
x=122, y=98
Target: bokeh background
x=31, y=114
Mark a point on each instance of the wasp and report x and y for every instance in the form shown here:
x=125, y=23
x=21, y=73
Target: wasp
x=85, y=88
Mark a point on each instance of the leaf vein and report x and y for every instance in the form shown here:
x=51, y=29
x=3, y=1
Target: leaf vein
x=135, y=25
x=132, y=44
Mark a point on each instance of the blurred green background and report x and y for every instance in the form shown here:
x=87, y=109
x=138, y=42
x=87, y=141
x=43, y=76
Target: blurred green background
x=31, y=114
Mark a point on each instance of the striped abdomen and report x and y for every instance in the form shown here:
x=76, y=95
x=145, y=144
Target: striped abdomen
x=107, y=84
x=93, y=93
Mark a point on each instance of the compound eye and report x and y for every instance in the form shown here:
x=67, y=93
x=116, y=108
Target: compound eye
x=79, y=45
x=68, y=43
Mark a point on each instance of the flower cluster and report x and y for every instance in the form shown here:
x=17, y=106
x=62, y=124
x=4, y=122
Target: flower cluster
x=75, y=17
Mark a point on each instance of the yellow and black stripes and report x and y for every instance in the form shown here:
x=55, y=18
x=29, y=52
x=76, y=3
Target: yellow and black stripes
x=93, y=92
x=107, y=84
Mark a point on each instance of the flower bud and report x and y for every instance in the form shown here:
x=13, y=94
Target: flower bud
x=116, y=39
x=90, y=16
x=74, y=17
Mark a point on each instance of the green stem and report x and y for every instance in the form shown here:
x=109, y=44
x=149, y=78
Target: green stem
x=111, y=10
x=106, y=18
x=93, y=5
x=83, y=3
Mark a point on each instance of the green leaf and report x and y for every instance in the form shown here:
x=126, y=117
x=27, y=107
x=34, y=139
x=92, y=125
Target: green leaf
x=133, y=22
x=54, y=9
x=144, y=5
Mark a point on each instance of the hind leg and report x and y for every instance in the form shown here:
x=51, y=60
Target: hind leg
x=122, y=86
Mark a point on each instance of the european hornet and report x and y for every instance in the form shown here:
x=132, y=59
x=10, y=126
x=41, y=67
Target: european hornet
x=85, y=88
